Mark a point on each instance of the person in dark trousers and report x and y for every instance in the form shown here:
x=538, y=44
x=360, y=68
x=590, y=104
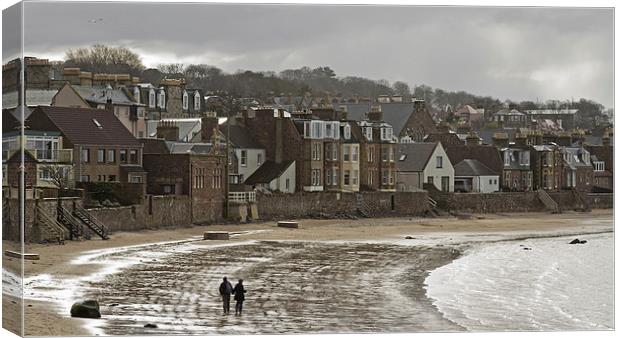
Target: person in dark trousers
x=225, y=290
x=239, y=292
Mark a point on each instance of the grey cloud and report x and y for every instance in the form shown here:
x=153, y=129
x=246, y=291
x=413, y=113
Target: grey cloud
x=516, y=53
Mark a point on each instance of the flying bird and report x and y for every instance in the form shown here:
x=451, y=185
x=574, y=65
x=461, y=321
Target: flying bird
x=99, y=20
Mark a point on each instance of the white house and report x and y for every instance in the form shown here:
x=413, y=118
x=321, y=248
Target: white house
x=274, y=176
x=423, y=162
x=473, y=176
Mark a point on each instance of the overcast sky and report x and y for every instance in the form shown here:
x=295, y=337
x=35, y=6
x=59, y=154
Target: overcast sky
x=509, y=53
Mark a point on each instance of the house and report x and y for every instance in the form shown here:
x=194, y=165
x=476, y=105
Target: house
x=105, y=151
x=565, y=118
x=188, y=129
x=469, y=114
x=577, y=169
x=602, y=158
x=420, y=163
x=517, y=172
x=350, y=159
x=131, y=114
x=444, y=135
x=488, y=156
x=472, y=176
x=277, y=177
x=511, y=118
x=546, y=163
x=196, y=170
x=378, y=153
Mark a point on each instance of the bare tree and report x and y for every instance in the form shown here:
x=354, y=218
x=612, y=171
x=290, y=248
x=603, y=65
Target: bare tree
x=105, y=59
x=59, y=175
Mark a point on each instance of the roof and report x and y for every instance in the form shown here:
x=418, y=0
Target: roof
x=485, y=154
x=267, y=172
x=9, y=122
x=188, y=127
x=551, y=111
x=396, y=114
x=84, y=125
x=470, y=167
x=240, y=137
x=446, y=139
x=97, y=94
x=510, y=112
x=414, y=156
x=154, y=146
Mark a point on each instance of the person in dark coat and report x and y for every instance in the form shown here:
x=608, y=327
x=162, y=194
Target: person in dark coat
x=225, y=290
x=239, y=292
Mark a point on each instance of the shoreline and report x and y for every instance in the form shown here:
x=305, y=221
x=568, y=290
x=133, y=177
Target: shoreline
x=389, y=230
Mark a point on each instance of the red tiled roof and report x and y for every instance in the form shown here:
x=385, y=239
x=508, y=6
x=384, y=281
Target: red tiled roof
x=88, y=126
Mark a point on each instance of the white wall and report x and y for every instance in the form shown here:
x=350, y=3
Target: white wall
x=251, y=163
x=446, y=170
x=279, y=184
x=483, y=183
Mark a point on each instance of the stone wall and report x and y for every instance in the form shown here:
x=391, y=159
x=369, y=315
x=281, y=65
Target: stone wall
x=601, y=201
x=492, y=203
x=332, y=204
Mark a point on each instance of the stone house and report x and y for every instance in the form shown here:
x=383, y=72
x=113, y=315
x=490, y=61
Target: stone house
x=602, y=158
x=131, y=114
x=511, y=118
x=350, y=159
x=377, y=155
x=420, y=163
x=105, y=151
x=546, y=163
x=577, y=169
x=472, y=176
x=517, y=173
x=197, y=170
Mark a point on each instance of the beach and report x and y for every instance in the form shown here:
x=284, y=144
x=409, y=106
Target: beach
x=329, y=276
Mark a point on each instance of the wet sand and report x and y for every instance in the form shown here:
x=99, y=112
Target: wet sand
x=270, y=261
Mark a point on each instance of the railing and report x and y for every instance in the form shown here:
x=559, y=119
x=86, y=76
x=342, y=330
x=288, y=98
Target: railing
x=242, y=196
x=54, y=155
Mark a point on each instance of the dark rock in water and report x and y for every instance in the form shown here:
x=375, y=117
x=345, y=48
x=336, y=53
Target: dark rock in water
x=114, y=304
x=583, y=242
x=575, y=241
x=150, y=326
x=527, y=248
x=409, y=237
x=86, y=309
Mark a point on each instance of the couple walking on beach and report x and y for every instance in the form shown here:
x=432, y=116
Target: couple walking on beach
x=226, y=289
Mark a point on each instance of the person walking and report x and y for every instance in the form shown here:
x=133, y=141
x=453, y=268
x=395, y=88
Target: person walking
x=239, y=292
x=225, y=290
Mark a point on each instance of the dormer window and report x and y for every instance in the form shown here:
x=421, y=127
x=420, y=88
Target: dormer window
x=136, y=94
x=161, y=99
x=599, y=165
x=368, y=132
x=197, y=101
x=507, y=158
x=152, y=98
x=347, y=132
x=185, y=100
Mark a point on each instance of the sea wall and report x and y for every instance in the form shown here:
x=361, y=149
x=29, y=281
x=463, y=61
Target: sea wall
x=491, y=203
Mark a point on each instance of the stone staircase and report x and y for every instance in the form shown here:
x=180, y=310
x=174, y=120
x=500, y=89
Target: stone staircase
x=549, y=203
x=49, y=224
x=581, y=204
x=362, y=207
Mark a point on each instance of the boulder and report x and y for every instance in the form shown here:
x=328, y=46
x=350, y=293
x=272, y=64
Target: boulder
x=86, y=309
x=150, y=326
x=409, y=237
x=577, y=241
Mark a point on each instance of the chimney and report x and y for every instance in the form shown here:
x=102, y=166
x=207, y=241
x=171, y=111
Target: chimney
x=472, y=139
x=500, y=140
x=109, y=106
x=207, y=127
x=168, y=130
x=279, y=138
x=375, y=114
x=606, y=139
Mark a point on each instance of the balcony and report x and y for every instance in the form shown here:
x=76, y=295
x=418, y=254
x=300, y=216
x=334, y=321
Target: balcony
x=53, y=155
x=242, y=196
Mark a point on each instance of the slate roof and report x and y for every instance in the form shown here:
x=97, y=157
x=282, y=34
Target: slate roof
x=79, y=127
x=9, y=122
x=267, y=172
x=603, y=153
x=396, y=114
x=551, y=112
x=97, y=94
x=188, y=127
x=154, y=146
x=240, y=136
x=485, y=154
x=487, y=134
x=34, y=97
x=413, y=156
x=470, y=167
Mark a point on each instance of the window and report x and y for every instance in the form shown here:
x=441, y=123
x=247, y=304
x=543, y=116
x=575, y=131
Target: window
x=368, y=132
x=329, y=132
x=85, y=156
x=347, y=131
x=439, y=161
x=335, y=176
x=392, y=153
x=430, y=180
x=85, y=178
x=112, y=178
x=490, y=181
x=244, y=158
x=328, y=177
x=136, y=94
x=599, y=166
x=197, y=101
x=355, y=177
x=335, y=152
x=384, y=154
x=259, y=159
x=316, y=152
x=152, y=98
x=288, y=183
x=507, y=158
x=354, y=153
x=371, y=153
x=385, y=176
x=316, y=177
x=345, y=153
x=161, y=99
x=185, y=100
x=402, y=157
x=140, y=134
x=135, y=179
x=111, y=156
x=122, y=154
x=347, y=177
x=133, y=156
x=525, y=158
x=307, y=130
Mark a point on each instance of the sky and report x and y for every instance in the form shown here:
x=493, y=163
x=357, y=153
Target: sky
x=508, y=53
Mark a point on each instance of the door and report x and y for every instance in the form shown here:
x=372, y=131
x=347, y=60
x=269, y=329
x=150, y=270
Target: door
x=445, y=183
